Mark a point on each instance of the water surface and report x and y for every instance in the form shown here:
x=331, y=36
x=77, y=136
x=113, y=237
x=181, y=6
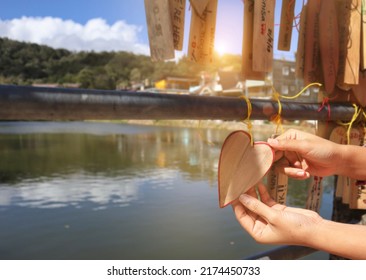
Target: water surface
x=83, y=190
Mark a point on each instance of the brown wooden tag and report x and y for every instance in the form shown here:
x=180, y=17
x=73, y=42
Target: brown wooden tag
x=312, y=61
x=355, y=138
x=277, y=184
x=241, y=165
x=328, y=40
x=352, y=67
x=247, y=54
x=315, y=192
x=339, y=136
x=359, y=90
x=263, y=35
x=287, y=18
x=159, y=29
x=177, y=14
x=343, y=15
x=357, y=199
x=300, y=54
x=349, y=21
x=363, y=35
x=199, y=5
x=202, y=34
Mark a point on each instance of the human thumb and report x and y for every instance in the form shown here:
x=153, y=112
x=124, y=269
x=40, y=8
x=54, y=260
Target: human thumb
x=255, y=206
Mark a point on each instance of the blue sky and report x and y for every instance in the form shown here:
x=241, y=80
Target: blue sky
x=109, y=24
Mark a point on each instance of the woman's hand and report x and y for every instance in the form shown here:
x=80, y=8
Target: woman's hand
x=300, y=154
x=269, y=222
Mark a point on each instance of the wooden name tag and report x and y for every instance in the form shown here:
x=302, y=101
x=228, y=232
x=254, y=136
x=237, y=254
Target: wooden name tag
x=287, y=18
x=199, y=5
x=202, y=34
x=159, y=29
x=311, y=65
x=329, y=44
x=247, y=54
x=177, y=12
x=300, y=54
x=241, y=165
x=263, y=35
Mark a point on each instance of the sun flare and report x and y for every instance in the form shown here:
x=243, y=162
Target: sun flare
x=220, y=48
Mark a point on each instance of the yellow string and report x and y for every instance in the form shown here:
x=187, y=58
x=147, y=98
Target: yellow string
x=357, y=112
x=276, y=96
x=277, y=119
x=247, y=121
x=301, y=92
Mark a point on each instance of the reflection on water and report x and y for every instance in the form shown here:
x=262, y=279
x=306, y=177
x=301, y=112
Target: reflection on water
x=83, y=190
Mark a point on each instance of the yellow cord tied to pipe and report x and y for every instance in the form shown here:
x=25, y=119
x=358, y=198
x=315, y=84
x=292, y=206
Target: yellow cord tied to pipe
x=247, y=121
x=301, y=92
x=276, y=96
x=358, y=111
x=277, y=119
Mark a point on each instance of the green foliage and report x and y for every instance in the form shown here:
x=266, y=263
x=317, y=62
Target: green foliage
x=25, y=63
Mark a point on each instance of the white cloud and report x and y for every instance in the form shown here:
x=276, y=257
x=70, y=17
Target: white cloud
x=96, y=34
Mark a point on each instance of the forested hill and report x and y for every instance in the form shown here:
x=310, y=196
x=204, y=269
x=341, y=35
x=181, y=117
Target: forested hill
x=27, y=63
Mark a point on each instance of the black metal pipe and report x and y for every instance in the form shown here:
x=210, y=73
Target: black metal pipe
x=39, y=103
x=284, y=253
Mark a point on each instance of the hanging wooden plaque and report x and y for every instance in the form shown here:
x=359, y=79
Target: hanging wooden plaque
x=359, y=90
x=287, y=18
x=343, y=14
x=199, y=5
x=202, y=34
x=363, y=35
x=352, y=66
x=300, y=54
x=277, y=184
x=311, y=65
x=329, y=48
x=263, y=35
x=339, y=136
x=159, y=29
x=349, y=21
x=315, y=192
x=354, y=139
x=247, y=54
x=177, y=14
x=357, y=198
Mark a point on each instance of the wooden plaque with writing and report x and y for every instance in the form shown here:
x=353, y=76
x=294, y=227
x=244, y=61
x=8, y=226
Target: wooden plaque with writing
x=263, y=35
x=177, y=14
x=329, y=48
x=300, y=54
x=202, y=34
x=311, y=65
x=247, y=54
x=287, y=18
x=159, y=29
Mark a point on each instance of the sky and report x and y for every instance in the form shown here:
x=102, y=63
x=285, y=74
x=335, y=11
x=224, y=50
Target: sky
x=113, y=25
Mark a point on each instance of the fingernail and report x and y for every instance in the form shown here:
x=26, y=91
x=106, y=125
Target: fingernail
x=244, y=198
x=272, y=141
x=302, y=173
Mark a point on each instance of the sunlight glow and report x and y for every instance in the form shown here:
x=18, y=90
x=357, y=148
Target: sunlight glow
x=221, y=48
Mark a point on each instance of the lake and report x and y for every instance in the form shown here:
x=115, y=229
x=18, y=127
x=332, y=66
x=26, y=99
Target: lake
x=95, y=190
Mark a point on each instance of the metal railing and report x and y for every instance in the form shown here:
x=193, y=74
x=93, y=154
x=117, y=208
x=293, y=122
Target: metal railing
x=38, y=103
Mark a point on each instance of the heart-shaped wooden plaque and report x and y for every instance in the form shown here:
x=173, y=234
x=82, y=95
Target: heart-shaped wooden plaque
x=241, y=165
